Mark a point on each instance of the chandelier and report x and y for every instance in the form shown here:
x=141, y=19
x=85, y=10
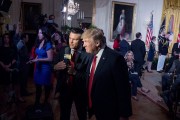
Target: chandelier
x=72, y=8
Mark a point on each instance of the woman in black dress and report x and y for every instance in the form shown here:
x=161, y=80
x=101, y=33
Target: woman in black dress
x=151, y=53
x=8, y=58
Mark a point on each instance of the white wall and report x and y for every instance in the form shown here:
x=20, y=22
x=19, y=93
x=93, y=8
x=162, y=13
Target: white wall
x=14, y=12
x=143, y=9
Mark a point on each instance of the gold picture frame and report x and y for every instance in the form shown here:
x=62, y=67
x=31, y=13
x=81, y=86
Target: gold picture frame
x=30, y=16
x=127, y=10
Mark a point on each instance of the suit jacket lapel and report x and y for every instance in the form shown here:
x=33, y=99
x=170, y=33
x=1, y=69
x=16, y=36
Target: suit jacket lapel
x=100, y=64
x=77, y=56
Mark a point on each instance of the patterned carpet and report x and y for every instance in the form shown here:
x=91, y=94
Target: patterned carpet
x=144, y=109
x=152, y=81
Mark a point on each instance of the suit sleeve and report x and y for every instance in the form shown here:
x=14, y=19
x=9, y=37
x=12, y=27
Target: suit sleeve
x=172, y=68
x=173, y=49
x=143, y=49
x=81, y=70
x=160, y=47
x=123, y=87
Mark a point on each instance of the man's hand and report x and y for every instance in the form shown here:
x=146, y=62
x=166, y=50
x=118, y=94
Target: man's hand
x=32, y=61
x=60, y=66
x=71, y=70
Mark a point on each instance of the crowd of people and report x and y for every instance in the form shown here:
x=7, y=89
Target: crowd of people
x=135, y=57
x=88, y=73
x=99, y=80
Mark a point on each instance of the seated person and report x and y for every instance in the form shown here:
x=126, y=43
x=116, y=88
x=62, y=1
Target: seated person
x=175, y=53
x=133, y=75
x=166, y=78
x=169, y=86
x=169, y=96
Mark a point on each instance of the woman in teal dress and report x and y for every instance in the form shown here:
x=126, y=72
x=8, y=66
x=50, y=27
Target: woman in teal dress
x=43, y=70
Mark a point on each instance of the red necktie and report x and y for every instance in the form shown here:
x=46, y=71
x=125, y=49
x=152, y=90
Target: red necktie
x=72, y=65
x=91, y=80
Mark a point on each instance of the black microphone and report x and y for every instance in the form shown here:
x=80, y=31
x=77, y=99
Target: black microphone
x=67, y=55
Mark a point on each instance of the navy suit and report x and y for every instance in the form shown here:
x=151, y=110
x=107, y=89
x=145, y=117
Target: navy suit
x=124, y=47
x=139, y=50
x=163, y=45
x=75, y=92
x=110, y=93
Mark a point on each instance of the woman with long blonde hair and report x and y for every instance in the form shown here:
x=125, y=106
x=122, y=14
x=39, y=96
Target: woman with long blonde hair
x=133, y=76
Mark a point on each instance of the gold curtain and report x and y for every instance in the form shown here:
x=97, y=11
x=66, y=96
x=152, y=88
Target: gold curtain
x=172, y=7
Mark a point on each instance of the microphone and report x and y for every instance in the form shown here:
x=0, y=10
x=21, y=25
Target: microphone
x=67, y=55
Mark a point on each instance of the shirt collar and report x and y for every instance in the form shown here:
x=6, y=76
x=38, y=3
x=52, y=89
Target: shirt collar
x=99, y=54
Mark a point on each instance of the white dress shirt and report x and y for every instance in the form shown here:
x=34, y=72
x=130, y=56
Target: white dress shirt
x=99, y=54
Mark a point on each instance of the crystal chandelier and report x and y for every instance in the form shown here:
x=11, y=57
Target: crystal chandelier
x=72, y=8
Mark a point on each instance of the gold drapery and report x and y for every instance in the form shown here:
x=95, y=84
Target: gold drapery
x=172, y=7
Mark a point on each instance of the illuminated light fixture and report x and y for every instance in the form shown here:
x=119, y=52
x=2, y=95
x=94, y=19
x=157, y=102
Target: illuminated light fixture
x=68, y=17
x=72, y=8
x=64, y=9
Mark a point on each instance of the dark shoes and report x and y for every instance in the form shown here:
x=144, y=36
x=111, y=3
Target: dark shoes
x=149, y=71
x=145, y=90
x=135, y=98
x=160, y=71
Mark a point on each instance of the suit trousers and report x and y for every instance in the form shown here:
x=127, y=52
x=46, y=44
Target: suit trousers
x=68, y=95
x=135, y=80
x=160, y=63
x=166, y=82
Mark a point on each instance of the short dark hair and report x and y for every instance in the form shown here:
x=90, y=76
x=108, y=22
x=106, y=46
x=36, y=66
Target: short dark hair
x=168, y=32
x=50, y=16
x=153, y=37
x=77, y=30
x=138, y=34
x=10, y=39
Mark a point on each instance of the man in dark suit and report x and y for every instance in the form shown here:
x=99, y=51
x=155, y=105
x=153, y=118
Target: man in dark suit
x=71, y=77
x=163, y=50
x=124, y=45
x=175, y=53
x=109, y=96
x=169, y=84
x=139, y=50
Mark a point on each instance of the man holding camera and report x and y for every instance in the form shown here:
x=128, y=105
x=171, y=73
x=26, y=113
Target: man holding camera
x=70, y=64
